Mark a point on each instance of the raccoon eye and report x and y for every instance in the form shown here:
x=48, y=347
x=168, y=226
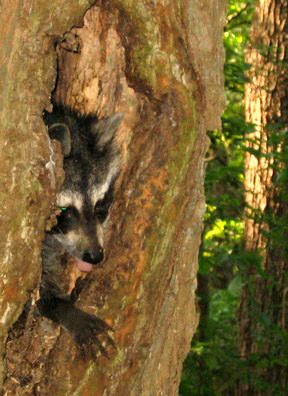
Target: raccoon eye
x=102, y=206
x=67, y=211
x=67, y=218
x=101, y=214
x=101, y=210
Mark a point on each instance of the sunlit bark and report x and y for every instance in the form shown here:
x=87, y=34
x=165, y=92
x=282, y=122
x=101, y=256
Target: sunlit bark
x=160, y=64
x=265, y=290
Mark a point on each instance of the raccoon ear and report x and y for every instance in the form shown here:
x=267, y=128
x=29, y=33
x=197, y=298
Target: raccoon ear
x=61, y=133
x=105, y=129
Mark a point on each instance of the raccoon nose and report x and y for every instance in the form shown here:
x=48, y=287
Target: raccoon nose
x=93, y=256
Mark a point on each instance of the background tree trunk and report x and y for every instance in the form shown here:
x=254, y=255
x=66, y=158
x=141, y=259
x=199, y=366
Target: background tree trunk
x=263, y=310
x=161, y=65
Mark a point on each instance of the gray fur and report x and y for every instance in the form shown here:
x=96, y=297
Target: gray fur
x=91, y=164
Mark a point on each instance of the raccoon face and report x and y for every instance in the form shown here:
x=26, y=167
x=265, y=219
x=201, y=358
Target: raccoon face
x=81, y=224
x=91, y=164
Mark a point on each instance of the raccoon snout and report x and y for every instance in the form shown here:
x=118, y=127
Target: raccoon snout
x=94, y=255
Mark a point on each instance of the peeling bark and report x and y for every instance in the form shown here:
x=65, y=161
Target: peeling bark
x=147, y=61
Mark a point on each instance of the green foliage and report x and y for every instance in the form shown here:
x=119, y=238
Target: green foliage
x=213, y=365
x=222, y=246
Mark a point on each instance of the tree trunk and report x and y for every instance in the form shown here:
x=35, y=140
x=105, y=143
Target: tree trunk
x=263, y=309
x=161, y=66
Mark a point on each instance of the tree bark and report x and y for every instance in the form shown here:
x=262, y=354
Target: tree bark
x=265, y=291
x=28, y=176
x=161, y=66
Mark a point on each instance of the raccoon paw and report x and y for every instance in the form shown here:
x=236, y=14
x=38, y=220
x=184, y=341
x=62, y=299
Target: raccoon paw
x=90, y=334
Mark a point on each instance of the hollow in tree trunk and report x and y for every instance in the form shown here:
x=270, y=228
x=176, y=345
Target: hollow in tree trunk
x=161, y=66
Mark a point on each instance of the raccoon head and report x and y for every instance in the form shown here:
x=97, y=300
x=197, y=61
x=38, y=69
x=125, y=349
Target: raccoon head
x=91, y=164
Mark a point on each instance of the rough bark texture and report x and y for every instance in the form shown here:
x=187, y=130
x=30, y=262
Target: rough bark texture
x=266, y=104
x=161, y=65
x=28, y=174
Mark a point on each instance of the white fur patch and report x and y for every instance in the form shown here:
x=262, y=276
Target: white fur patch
x=97, y=193
x=70, y=198
x=100, y=234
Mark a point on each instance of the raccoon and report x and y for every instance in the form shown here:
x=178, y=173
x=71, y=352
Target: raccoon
x=91, y=164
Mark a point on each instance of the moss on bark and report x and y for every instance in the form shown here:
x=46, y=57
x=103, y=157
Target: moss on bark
x=149, y=65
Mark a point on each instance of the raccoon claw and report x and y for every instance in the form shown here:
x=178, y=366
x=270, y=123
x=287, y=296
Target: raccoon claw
x=86, y=349
x=91, y=335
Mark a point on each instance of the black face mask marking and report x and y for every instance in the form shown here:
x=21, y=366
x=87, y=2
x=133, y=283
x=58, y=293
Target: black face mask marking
x=91, y=164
